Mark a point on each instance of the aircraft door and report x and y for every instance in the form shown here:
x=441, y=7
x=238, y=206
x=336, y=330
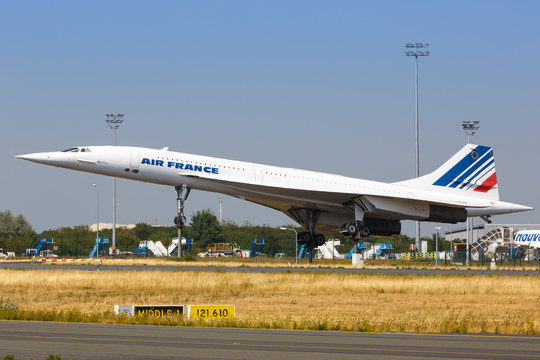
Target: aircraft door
x=134, y=163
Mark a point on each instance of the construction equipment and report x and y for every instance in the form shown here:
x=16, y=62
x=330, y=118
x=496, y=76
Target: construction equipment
x=157, y=248
x=328, y=250
x=256, y=247
x=303, y=253
x=172, y=250
x=221, y=249
x=42, y=249
x=102, y=245
x=142, y=249
x=149, y=247
x=383, y=250
x=361, y=246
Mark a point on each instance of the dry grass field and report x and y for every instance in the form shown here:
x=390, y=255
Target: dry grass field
x=491, y=304
x=302, y=263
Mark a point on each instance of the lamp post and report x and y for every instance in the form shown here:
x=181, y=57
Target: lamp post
x=437, y=245
x=97, y=223
x=295, y=241
x=451, y=240
x=220, y=209
x=114, y=121
x=417, y=50
x=470, y=128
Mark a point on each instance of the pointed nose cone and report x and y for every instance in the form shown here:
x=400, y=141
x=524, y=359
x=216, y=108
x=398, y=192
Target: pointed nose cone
x=47, y=158
x=36, y=157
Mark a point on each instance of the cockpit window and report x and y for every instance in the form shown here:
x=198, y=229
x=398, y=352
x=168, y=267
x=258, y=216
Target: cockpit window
x=74, y=150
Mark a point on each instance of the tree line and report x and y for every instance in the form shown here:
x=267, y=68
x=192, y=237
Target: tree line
x=17, y=234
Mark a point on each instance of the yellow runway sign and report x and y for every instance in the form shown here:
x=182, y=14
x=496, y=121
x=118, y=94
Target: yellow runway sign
x=211, y=312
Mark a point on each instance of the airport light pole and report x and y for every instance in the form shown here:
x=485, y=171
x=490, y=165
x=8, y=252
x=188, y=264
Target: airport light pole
x=468, y=241
x=470, y=128
x=295, y=242
x=451, y=241
x=220, y=209
x=114, y=121
x=437, y=245
x=97, y=224
x=417, y=50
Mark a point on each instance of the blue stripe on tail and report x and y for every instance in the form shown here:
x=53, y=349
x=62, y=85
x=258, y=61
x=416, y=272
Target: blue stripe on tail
x=490, y=165
x=481, y=161
x=451, y=176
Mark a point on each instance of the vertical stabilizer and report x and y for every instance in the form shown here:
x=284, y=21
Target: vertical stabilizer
x=471, y=170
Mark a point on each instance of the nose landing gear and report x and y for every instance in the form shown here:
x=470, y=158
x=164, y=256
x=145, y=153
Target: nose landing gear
x=182, y=193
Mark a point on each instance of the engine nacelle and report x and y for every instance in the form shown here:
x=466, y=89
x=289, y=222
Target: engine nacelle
x=446, y=214
x=383, y=227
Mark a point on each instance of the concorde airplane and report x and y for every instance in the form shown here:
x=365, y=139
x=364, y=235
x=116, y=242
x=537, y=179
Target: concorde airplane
x=464, y=186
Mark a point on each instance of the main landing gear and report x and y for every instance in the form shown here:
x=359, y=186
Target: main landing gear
x=182, y=193
x=355, y=229
x=310, y=238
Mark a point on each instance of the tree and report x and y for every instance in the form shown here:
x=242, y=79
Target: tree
x=204, y=228
x=142, y=231
x=16, y=233
x=13, y=225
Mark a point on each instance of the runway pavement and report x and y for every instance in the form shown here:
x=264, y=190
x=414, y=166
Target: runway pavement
x=37, y=340
x=135, y=267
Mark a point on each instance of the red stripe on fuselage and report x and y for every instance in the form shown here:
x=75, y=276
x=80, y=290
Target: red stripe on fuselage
x=488, y=184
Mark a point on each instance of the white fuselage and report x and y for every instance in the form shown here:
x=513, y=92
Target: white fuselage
x=528, y=238
x=277, y=187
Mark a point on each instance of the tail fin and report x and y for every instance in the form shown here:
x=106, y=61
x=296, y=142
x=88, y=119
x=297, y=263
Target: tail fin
x=470, y=170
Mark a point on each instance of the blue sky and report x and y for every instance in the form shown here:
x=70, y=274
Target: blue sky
x=319, y=85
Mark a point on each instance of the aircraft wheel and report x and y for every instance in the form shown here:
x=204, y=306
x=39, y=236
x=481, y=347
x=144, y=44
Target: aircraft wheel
x=304, y=238
x=364, y=231
x=351, y=228
x=348, y=229
x=319, y=240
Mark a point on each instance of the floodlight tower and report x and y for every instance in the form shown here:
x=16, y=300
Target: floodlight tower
x=97, y=224
x=220, y=209
x=114, y=121
x=470, y=128
x=417, y=50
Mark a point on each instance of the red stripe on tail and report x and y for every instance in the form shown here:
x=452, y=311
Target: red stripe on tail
x=488, y=184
